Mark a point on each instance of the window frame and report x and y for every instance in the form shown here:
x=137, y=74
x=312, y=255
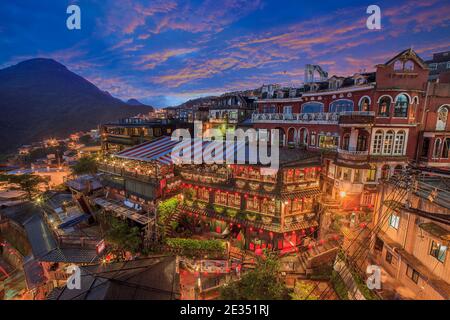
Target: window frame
x=396, y=224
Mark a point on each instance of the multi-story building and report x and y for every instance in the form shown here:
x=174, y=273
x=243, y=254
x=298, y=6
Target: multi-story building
x=366, y=126
x=434, y=139
x=413, y=239
x=231, y=109
x=276, y=210
x=439, y=64
x=132, y=131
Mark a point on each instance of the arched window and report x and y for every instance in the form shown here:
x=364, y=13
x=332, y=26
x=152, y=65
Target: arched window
x=385, y=172
x=364, y=104
x=445, y=148
x=377, y=142
x=409, y=65
x=398, y=66
x=303, y=136
x=442, y=118
x=437, y=149
x=388, y=142
x=399, y=143
x=384, y=107
x=372, y=173
x=312, y=107
x=401, y=106
x=342, y=105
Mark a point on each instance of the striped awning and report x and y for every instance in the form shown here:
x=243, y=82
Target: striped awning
x=168, y=151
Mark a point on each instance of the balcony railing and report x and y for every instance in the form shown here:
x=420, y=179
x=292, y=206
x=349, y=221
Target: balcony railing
x=326, y=118
x=329, y=118
x=353, y=152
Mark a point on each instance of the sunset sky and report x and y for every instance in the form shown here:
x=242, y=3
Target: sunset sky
x=166, y=52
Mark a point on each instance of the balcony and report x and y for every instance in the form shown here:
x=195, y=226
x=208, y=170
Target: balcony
x=357, y=117
x=352, y=154
x=300, y=118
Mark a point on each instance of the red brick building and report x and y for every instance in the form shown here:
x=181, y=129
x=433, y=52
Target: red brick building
x=367, y=126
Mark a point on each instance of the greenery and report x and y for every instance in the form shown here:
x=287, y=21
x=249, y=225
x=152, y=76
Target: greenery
x=87, y=140
x=262, y=283
x=219, y=209
x=360, y=283
x=122, y=236
x=232, y=212
x=187, y=246
x=303, y=291
x=339, y=285
x=26, y=182
x=40, y=153
x=86, y=165
x=166, y=208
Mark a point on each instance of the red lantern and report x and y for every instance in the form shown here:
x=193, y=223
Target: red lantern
x=271, y=234
x=261, y=230
x=310, y=246
x=311, y=229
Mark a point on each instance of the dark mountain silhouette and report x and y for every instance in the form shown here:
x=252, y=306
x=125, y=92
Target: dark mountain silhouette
x=41, y=98
x=135, y=102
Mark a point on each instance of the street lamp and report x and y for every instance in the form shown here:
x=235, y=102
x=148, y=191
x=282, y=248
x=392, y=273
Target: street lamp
x=342, y=194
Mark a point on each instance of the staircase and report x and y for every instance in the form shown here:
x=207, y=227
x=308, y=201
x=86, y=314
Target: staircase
x=168, y=229
x=316, y=256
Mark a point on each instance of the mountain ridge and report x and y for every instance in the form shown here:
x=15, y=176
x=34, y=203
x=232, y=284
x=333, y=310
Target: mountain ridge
x=41, y=98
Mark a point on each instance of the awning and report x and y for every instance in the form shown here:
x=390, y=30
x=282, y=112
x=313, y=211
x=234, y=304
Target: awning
x=152, y=150
x=168, y=151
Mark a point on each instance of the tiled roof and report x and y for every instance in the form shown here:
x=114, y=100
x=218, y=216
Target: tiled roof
x=152, y=278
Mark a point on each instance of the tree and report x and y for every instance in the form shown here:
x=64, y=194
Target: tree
x=262, y=283
x=86, y=165
x=122, y=236
x=26, y=182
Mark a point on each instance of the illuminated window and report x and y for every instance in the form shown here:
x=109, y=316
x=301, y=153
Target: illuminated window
x=372, y=173
x=441, y=123
x=328, y=142
x=394, y=221
x=364, y=104
x=438, y=251
x=384, y=107
x=342, y=106
x=401, y=106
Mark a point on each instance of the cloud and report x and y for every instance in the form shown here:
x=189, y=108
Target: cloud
x=150, y=61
